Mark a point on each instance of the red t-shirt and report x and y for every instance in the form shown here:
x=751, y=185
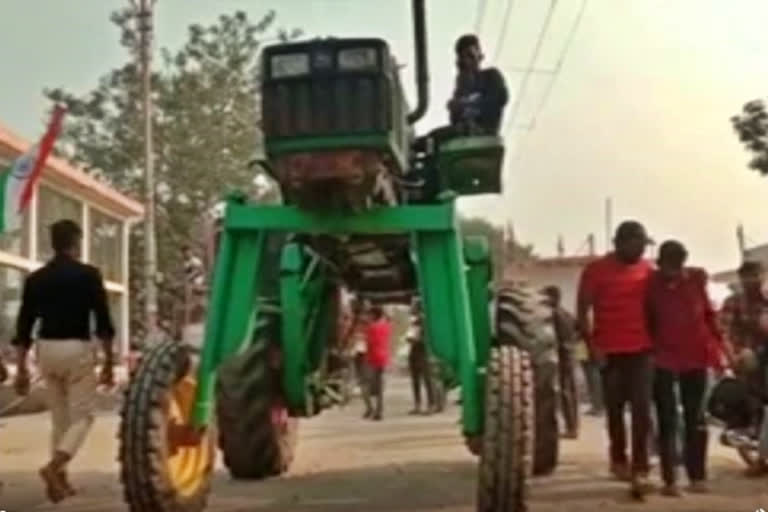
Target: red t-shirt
x=617, y=292
x=682, y=322
x=377, y=336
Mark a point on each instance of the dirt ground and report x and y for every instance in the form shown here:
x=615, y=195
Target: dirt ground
x=403, y=464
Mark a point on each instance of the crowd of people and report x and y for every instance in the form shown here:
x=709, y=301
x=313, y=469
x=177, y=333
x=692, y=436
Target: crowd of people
x=652, y=339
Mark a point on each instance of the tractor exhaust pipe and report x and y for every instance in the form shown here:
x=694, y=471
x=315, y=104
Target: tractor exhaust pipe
x=422, y=67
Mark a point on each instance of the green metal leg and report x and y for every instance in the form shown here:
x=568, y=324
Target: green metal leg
x=448, y=316
x=294, y=314
x=235, y=288
x=477, y=256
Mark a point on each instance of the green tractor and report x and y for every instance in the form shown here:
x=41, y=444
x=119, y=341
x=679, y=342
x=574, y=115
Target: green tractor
x=367, y=207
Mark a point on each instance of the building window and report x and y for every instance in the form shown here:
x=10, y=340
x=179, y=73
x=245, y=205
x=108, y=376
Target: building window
x=17, y=242
x=11, y=284
x=106, y=245
x=116, y=312
x=52, y=207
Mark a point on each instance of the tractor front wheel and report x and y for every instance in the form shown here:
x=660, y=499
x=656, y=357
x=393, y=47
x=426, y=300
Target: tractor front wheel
x=165, y=466
x=257, y=436
x=507, y=443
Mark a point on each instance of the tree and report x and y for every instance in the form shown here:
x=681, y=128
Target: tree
x=751, y=125
x=502, y=242
x=206, y=130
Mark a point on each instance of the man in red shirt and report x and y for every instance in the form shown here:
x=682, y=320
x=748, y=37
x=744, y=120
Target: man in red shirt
x=613, y=289
x=377, y=339
x=684, y=329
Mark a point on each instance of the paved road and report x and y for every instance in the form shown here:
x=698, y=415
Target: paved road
x=403, y=464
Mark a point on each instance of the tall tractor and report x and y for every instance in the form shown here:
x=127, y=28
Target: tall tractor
x=368, y=207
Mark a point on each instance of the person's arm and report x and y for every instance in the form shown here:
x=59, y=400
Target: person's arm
x=105, y=329
x=25, y=322
x=584, y=305
x=496, y=94
x=650, y=310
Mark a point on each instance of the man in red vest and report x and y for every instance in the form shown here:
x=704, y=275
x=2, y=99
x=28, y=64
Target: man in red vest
x=613, y=289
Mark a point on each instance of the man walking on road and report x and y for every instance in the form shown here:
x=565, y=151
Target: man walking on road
x=565, y=331
x=62, y=296
x=614, y=289
x=418, y=363
x=377, y=337
x=683, y=326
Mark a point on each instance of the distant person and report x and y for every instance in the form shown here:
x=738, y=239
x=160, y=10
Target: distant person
x=590, y=369
x=683, y=327
x=62, y=296
x=744, y=321
x=565, y=332
x=614, y=288
x=378, y=336
x=418, y=364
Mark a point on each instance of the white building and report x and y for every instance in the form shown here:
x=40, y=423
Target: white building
x=65, y=192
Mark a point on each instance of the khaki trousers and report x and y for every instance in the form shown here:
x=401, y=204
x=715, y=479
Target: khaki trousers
x=68, y=369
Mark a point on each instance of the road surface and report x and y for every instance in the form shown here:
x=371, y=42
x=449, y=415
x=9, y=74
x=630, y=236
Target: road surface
x=402, y=464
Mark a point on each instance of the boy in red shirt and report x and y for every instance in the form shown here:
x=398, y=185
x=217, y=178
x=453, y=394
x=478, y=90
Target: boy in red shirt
x=377, y=339
x=684, y=329
x=613, y=289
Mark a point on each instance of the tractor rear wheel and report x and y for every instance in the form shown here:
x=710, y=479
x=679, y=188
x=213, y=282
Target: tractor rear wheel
x=164, y=467
x=525, y=321
x=256, y=435
x=505, y=455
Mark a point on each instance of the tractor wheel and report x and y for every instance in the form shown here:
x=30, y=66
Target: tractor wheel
x=505, y=454
x=164, y=468
x=256, y=435
x=523, y=320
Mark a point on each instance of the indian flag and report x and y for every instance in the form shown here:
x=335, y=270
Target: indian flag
x=18, y=181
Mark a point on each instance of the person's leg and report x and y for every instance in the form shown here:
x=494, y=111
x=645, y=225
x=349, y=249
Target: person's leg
x=666, y=421
x=367, y=390
x=613, y=390
x=378, y=413
x=640, y=383
x=693, y=387
x=569, y=402
x=415, y=374
x=594, y=387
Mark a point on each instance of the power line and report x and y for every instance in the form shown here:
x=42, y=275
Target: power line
x=532, y=62
x=504, y=28
x=559, y=65
x=482, y=6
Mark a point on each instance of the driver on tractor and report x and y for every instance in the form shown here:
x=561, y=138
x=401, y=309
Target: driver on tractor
x=744, y=319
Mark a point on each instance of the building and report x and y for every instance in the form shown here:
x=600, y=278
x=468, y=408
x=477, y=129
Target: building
x=563, y=271
x=66, y=192
x=731, y=277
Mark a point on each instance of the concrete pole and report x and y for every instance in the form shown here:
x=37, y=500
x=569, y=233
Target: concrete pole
x=145, y=11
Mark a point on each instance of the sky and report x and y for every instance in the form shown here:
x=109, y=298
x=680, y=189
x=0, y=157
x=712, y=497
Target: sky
x=639, y=111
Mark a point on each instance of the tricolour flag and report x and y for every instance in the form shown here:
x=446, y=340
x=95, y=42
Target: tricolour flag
x=17, y=183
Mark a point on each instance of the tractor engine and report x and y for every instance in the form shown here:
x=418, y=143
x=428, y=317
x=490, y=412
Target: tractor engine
x=334, y=121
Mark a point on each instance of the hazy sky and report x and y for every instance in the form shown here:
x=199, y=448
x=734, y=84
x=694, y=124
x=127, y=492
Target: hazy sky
x=640, y=111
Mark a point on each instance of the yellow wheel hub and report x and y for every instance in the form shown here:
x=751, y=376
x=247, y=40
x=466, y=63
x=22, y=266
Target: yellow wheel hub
x=188, y=463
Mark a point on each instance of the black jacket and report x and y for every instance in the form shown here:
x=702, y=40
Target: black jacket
x=490, y=97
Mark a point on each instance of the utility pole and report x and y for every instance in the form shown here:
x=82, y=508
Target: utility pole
x=144, y=10
x=741, y=239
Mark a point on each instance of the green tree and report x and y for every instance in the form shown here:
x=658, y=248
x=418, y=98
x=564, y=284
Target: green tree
x=206, y=130
x=504, y=247
x=751, y=126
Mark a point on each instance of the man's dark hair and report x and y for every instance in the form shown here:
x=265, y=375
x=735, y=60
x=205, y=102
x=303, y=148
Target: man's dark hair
x=466, y=41
x=673, y=252
x=65, y=235
x=377, y=312
x=630, y=229
x=751, y=267
x=553, y=292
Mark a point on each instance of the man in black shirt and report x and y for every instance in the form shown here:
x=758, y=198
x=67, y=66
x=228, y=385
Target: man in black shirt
x=62, y=296
x=480, y=95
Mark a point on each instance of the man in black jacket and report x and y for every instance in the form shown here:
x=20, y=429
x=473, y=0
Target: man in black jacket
x=62, y=296
x=480, y=95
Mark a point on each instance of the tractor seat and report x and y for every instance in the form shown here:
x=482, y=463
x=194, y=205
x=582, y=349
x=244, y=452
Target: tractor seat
x=471, y=165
